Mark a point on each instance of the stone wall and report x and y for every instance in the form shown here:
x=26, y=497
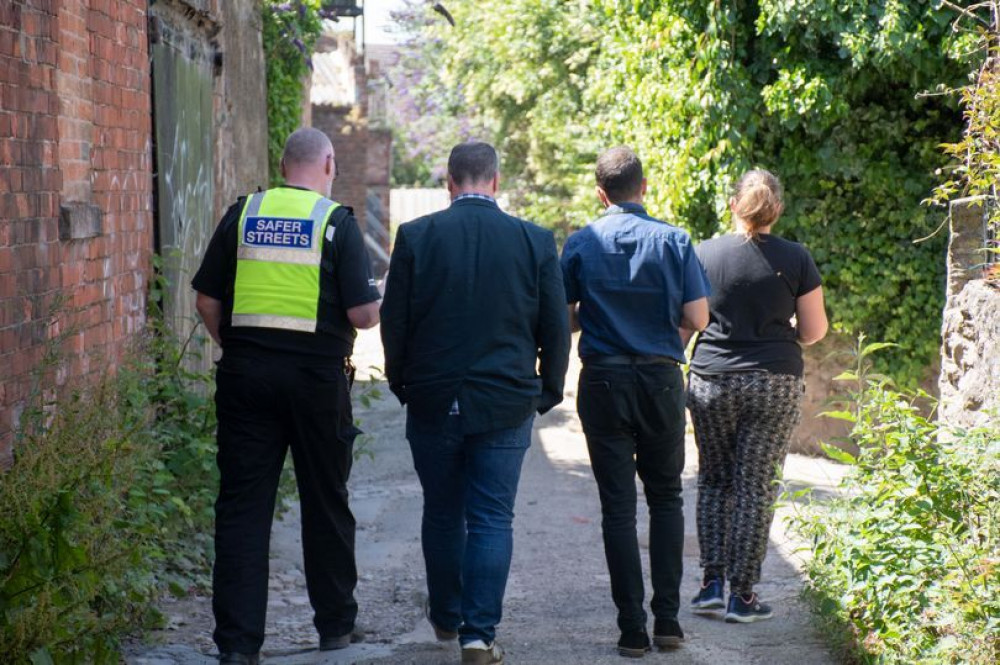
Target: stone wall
x=75, y=185
x=970, y=332
x=823, y=361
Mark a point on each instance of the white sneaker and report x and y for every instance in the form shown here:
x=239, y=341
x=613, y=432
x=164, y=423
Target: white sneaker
x=478, y=652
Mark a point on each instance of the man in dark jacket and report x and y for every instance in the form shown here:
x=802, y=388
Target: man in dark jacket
x=474, y=301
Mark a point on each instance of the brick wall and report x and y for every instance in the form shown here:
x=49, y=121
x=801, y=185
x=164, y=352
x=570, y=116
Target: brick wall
x=362, y=145
x=350, y=144
x=75, y=187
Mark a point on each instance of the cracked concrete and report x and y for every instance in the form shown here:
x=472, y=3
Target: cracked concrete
x=558, y=607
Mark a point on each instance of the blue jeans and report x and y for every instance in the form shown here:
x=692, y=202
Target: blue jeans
x=469, y=482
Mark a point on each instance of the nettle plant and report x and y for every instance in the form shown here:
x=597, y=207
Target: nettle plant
x=904, y=565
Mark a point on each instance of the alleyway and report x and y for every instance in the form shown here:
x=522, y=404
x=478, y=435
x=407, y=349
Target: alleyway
x=558, y=608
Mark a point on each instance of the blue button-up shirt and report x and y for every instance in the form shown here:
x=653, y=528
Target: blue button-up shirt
x=631, y=274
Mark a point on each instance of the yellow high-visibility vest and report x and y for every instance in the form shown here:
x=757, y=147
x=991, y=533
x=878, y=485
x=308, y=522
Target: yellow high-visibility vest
x=278, y=254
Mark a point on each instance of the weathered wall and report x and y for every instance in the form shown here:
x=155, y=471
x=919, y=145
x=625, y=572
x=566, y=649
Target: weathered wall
x=362, y=143
x=211, y=129
x=75, y=185
x=970, y=332
x=823, y=361
x=349, y=137
x=241, y=104
x=76, y=168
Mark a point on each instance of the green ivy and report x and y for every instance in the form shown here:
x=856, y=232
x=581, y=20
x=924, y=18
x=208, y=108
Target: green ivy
x=975, y=168
x=825, y=94
x=290, y=32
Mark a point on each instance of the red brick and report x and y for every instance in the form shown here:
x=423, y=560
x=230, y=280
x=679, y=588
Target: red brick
x=29, y=23
x=7, y=344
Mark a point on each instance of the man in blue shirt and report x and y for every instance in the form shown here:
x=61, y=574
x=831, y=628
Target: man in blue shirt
x=632, y=282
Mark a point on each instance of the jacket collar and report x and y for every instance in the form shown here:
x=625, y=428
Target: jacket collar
x=626, y=207
x=470, y=201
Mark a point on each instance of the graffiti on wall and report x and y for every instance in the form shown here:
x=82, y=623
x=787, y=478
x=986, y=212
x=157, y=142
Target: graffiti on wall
x=183, y=88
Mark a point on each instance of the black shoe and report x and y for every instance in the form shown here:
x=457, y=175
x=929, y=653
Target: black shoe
x=746, y=610
x=233, y=658
x=633, y=644
x=709, y=597
x=667, y=634
x=341, y=641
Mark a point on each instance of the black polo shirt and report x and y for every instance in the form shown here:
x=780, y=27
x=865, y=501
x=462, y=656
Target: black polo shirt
x=346, y=281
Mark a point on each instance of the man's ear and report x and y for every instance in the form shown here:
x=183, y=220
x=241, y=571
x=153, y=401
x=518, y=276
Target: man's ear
x=328, y=167
x=642, y=191
x=452, y=187
x=281, y=167
x=603, y=196
x=496, y=182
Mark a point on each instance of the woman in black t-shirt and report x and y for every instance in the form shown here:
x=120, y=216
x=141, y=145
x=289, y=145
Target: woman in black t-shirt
x=745, y=389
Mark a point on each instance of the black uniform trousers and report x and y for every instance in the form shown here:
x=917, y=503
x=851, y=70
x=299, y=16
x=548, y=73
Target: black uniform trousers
x=267, y=402
x=633, y=420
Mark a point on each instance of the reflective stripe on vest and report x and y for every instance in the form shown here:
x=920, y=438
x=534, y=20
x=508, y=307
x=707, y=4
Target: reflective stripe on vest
x=278, y=255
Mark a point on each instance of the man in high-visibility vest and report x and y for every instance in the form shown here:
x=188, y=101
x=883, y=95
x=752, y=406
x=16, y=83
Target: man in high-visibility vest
x=285, y=282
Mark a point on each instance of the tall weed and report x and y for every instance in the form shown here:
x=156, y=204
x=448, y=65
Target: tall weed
x=905, y=563
x=108, y=504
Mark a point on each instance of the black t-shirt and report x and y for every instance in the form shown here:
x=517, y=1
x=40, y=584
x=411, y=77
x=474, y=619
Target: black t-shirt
x=346, y=281
x=755, y=284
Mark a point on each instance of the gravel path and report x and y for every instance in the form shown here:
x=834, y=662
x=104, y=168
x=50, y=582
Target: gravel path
x=558, y=606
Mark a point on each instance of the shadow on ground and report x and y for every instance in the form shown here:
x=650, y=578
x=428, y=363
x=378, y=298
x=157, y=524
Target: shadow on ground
x=558, y=607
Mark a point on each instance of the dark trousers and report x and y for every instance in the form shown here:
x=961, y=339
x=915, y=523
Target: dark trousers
x=267, y=403
x=633, y=418
x=743, y=424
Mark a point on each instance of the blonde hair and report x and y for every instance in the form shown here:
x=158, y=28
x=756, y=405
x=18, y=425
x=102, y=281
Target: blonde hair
x=757, y=200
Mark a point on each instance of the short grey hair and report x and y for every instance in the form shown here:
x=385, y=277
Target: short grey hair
x=474, y=161
x=306, y=146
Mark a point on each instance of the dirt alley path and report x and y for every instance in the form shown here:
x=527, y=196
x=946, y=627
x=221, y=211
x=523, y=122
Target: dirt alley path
x=558, y=607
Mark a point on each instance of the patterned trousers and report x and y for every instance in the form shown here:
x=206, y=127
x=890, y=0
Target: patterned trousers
x=743, y=422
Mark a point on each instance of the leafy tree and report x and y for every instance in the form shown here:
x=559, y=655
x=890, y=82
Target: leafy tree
x=826, y=94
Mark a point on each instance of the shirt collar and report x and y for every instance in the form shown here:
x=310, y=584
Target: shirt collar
x=625, y=207
x=472, y=195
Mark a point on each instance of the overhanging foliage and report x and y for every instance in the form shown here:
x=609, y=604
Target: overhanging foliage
x=823, y=93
